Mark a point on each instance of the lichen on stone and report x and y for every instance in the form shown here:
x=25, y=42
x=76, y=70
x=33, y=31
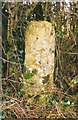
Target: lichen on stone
x=39, y=54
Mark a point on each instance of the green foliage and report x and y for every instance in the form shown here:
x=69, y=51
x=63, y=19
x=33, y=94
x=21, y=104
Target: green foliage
x=7, y=112
x=66, y=102
x=75, y=80
x=2, y=114
x=28, y=73
x=21, y=93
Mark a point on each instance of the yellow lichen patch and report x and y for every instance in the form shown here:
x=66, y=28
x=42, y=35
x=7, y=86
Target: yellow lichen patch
x=39, y=55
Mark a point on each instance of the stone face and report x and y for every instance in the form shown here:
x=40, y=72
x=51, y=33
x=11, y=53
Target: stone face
x=39, y=54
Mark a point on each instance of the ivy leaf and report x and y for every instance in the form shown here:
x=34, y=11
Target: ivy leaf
x=27, y=75
x=67, y=103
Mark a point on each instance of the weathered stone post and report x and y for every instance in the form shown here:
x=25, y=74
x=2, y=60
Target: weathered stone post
x=39, y=57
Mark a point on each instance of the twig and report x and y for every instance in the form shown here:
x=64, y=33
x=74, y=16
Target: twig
x=12, y=74
x=3, y=50
x=21, y=109
x=12, y=80
x=71, y=53
x=3, y=95
x=9, y=61
x=4, y=103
